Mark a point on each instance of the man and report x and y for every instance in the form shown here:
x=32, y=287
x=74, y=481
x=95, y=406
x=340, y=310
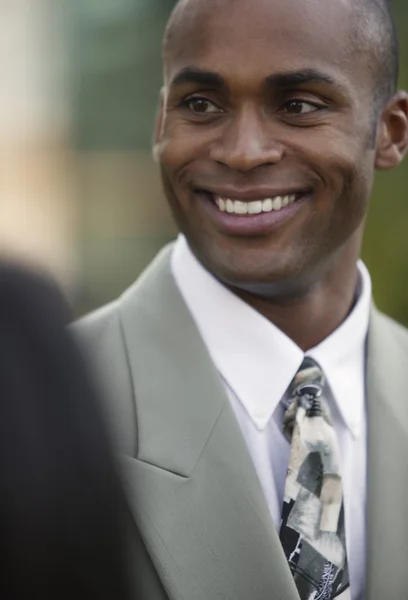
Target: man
x=253, y=473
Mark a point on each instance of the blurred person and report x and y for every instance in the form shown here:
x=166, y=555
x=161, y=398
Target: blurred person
x=61, y=504
x=257, y=393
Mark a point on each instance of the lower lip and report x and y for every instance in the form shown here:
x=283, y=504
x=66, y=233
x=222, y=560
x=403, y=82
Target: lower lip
x=250, y=225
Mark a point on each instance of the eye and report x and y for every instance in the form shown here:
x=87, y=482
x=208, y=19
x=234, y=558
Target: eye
x=300, y=107
x=201, y=106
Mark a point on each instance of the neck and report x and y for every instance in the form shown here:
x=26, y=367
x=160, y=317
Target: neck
x=309, y=317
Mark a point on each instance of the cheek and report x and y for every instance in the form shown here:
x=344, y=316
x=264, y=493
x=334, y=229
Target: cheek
x=181, y=143
x=344, y=163
x=176, y=158
x=352, y=177
x=184, y=147
x=353, y=171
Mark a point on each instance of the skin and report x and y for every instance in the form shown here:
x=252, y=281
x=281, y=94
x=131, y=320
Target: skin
x=246, y=127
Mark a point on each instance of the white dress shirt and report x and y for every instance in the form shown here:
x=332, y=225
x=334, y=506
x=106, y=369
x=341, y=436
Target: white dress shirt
x=257, y=363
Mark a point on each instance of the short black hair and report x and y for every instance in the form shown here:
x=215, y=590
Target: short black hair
x=374, y=33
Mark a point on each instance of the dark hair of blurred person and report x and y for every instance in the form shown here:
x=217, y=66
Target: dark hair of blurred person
x=60, y=499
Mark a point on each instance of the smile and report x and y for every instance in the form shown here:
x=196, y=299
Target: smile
x=251, y=212
x=255, y=207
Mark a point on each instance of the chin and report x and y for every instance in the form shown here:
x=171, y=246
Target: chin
x=267, y=278
x=249, y=276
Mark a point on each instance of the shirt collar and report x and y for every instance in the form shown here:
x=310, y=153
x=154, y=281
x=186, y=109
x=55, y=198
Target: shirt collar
x=257, y=360
x=342, y=357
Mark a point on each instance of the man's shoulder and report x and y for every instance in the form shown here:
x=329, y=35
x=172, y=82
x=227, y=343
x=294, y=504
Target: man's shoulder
x=98, y=323
x=101, y=341
x=99, y=335
x=108, y=334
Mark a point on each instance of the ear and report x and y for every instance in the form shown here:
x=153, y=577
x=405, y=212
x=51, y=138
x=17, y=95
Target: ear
x=158, y=128
x=392, y=137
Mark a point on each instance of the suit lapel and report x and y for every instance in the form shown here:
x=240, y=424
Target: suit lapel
x=194, y=491
x=387, y=408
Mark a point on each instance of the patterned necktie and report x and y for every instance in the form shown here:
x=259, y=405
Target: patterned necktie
x=312, y=529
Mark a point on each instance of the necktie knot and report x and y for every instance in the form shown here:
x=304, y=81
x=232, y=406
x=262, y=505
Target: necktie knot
x=306, y=389
x=309, y=380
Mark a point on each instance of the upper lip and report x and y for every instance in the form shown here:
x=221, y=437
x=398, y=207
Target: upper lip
x=252, y=194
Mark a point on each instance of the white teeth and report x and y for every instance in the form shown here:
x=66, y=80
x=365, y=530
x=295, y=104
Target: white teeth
x=221, y=204
x=254, y=208
x=230, y=206
x=277, y=203
x=267, y=205
x=237, y=207
x=240, y=208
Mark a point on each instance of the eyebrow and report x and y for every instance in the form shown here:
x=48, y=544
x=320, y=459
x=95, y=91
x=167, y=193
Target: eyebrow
x=196, y=75
x=295, y=78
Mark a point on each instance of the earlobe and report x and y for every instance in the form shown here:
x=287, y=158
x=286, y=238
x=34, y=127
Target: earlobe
x=158, y=129
x=392, y=136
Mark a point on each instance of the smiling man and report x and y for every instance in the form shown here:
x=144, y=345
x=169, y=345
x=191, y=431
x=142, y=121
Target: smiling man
x=258, y=395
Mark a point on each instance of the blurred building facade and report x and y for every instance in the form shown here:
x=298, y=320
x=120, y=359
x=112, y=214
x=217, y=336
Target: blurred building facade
x=101, y=213
x=37, y=200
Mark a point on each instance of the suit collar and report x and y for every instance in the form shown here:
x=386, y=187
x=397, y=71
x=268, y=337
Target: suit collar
x=179, y=393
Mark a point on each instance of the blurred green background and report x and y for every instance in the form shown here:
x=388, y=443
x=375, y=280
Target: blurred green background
x=124, y=219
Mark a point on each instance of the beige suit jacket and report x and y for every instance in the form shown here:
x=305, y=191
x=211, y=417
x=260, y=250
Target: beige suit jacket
x=199, y=527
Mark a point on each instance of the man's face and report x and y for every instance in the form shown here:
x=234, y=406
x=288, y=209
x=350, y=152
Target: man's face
x=265, y=138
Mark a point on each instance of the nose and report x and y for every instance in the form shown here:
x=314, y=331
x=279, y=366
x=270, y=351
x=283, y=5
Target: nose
x=247, y=142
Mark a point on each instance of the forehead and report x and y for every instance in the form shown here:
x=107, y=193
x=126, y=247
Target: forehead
x=258, y=37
